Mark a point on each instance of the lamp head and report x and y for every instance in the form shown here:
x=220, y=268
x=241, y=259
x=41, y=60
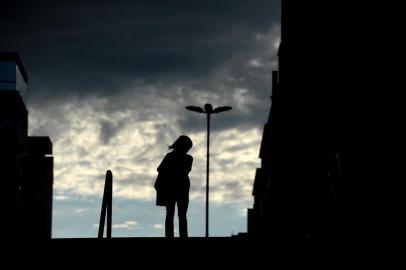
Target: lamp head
x=222, y=109
x=195, y=109
x=208, y=108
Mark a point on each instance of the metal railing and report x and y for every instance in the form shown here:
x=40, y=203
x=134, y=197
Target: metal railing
x=106, y=205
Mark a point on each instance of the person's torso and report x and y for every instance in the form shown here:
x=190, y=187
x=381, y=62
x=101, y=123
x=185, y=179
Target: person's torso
x=177, y=168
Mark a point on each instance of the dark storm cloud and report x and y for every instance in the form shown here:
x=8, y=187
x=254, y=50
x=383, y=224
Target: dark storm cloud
x=73, y=47
x=107, y=131
x=127, y=51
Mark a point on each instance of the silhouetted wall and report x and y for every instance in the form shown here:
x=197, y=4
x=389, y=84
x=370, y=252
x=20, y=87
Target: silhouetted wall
x=293, y=197
x=26, y=167
x=13, y=145
x=37, y=187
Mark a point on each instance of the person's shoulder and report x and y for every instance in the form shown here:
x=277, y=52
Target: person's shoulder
x=168, y=156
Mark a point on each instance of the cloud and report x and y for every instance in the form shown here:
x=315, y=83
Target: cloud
x=129, y=131
x=243, y=212
x=60, y=197
x=99, y=48
x=157, y=226
x=127, y=225
x=136, y=148
x=82, y=210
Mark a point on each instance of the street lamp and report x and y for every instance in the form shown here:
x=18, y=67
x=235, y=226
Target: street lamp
x=208, y=110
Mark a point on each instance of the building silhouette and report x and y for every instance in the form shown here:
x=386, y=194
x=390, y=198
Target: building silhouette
x=294, y=196
x=26, y=171
x=258, y=217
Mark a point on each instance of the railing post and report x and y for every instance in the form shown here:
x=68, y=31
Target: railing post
x=106, y=205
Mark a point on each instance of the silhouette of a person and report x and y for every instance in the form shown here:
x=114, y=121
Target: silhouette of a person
x=173, y=184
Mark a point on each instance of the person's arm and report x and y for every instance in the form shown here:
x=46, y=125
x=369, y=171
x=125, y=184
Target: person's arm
x=164, y=164
x=190, y=162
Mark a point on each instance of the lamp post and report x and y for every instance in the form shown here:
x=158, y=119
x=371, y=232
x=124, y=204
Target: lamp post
x=208, y=110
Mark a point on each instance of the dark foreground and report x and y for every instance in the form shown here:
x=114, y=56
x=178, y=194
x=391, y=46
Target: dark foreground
x=177, y=252
x=160, y=247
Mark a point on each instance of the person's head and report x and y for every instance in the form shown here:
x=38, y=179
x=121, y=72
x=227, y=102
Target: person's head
x=182, y=144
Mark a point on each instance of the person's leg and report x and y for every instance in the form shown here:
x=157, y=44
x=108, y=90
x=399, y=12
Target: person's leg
x=183, y=204
x=170, y=213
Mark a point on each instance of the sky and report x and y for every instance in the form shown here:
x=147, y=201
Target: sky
x=109, y=82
